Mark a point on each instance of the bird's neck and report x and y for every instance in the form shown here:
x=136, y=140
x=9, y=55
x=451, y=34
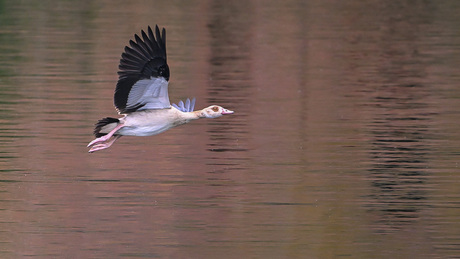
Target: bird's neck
x=193, y=115
x=199, y=114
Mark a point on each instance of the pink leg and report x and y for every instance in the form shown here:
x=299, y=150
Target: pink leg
x=104, y=145
x=106, y=137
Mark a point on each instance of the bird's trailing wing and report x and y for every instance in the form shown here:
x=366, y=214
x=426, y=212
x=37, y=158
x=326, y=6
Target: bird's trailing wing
x=188, y=106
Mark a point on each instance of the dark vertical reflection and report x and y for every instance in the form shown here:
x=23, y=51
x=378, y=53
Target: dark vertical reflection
x=403, y=120
x=230, y=28
x=10, y=94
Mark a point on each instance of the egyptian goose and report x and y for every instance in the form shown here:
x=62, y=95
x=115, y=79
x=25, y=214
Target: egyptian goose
x=141, y=95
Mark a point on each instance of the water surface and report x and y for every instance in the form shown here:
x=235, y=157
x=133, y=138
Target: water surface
x=344, y=142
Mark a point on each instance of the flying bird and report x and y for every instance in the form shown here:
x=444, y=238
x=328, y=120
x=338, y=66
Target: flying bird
x=141, y=95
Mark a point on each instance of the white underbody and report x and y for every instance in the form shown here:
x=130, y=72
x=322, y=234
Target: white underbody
x=152, y=122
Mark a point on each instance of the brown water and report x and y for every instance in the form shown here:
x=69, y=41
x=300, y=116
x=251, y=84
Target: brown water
x=344, y=143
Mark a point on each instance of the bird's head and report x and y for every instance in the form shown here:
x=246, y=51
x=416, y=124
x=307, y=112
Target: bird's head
x=214, y=111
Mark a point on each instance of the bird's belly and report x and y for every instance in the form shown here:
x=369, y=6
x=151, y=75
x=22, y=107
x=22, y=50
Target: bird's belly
x=147, y=130
x=150, y=122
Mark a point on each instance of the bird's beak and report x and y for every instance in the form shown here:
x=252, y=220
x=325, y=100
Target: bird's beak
x=225, y=111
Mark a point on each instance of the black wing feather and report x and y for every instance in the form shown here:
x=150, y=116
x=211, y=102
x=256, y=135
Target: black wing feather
x=144, y=58
x=147, y=41
x=143, y=46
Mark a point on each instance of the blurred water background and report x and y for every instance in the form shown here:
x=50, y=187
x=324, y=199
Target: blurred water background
x=345, y=142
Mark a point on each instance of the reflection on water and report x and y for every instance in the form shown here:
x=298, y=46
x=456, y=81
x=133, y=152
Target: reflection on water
x=402, y=127
x=344, y=142
x=400, y=155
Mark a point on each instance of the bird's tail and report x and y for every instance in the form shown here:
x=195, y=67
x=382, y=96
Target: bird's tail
x=104, y=126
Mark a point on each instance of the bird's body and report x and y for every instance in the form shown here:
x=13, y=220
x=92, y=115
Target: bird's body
x=151, y=122
x=141, y=95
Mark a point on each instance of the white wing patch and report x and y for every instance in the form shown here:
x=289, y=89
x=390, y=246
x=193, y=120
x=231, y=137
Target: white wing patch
x=150, y=94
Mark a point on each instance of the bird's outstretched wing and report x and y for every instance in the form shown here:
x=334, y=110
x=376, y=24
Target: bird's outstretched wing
x=143, y=74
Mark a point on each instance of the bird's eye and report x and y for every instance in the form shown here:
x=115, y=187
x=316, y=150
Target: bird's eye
x=215, y=109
